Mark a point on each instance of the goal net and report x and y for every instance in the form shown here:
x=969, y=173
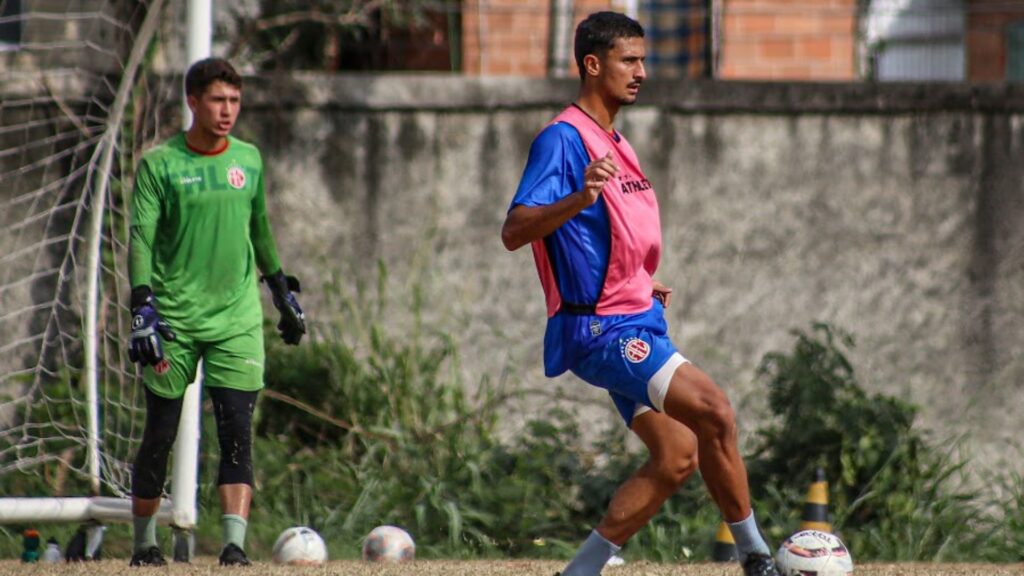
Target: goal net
x=76, y=108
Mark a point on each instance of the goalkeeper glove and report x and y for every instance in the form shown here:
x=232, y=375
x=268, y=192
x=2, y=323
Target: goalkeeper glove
x=293, y=322
x=147, y=328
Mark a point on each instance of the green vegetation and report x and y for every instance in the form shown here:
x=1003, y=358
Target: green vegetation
x=361, y=427
x=894, y=494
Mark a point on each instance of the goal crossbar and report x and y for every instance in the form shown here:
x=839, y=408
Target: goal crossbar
x=85, y=509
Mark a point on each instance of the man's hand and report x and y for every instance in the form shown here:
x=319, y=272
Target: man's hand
x=662, y=293
x=147, y=328
x=293, y=322
x=597, y=175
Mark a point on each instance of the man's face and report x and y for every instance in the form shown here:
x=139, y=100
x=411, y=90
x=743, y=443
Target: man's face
x=216, y=110
x=622, y=70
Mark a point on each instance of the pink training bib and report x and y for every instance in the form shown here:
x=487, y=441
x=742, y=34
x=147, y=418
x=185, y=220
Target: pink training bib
x=635, y=226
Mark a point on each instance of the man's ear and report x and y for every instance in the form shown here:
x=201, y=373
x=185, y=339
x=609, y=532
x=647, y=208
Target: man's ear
x=192, y=102
x=592, y=65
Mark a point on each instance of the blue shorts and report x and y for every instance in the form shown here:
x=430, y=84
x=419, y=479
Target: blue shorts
x=635, y=366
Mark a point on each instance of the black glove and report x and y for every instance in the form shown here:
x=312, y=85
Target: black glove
x=293, y=322
x=147, y=328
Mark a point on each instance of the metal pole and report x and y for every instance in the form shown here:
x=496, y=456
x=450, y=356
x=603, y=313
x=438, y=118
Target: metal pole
x=184, y=478
x=199, y=40
x=561, y=48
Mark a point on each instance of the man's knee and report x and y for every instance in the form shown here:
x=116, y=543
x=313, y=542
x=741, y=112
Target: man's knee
x=233, y=411
x=676, y=460
x=720, y=419
x=717, y=418
x=675, y=469
x=150, y=468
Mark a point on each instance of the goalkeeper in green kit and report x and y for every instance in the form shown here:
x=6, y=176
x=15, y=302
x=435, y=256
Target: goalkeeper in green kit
x=199, y=231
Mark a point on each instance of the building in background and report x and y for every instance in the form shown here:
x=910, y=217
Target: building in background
x=10, y=24
x=773, y=40
x=907, y=40
x=534, y=37
x=767, y=40
x=787, y=40
x=995, y=41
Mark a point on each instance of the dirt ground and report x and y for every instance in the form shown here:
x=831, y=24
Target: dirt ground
x=203, y=566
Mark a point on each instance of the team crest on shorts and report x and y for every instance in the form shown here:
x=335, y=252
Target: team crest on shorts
x=236, y=177
x=635, y=350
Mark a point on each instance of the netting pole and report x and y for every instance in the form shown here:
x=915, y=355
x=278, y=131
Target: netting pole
x=107, y=145
x=561, y=34
x=185, y=467
x=199, y=39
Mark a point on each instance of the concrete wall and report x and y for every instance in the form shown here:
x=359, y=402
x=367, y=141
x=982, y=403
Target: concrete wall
x=895, y=212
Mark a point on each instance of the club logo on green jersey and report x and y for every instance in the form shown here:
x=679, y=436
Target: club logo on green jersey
x=236, y=177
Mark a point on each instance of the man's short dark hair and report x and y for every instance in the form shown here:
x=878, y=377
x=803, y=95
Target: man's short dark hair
x=598, y=33
x=205, y=72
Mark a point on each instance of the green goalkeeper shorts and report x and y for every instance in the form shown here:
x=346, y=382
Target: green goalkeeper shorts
x=235, y=362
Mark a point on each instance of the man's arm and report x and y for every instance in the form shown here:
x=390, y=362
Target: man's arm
x=293, y=321
x=144, y=217
x=148, y=327
x=259, y=233
x=524, y=224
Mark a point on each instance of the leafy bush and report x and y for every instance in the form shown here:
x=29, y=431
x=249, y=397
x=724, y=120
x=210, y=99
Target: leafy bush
x=381, y=430
x=359, y=427
x=894, y=494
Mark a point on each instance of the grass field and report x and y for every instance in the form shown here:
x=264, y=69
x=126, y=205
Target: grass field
x=480, y=568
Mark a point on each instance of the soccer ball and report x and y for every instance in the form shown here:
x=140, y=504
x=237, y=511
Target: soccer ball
x=300, y=546
x=388, y=544
x=813, y=553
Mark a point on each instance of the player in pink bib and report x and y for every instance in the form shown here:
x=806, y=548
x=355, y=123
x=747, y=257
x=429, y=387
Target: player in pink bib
x=592, y=219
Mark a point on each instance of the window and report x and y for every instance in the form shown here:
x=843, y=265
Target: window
x=677, y=37
x=10, y=23
x=916, y=39
x=1015, y=52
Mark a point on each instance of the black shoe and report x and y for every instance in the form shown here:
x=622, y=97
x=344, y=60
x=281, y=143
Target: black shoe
x=758, y=564
x=149, y=557
x=233, y=556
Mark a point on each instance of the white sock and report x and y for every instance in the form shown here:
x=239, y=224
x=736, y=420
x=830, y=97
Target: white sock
x=591, y=557
x=748, y=537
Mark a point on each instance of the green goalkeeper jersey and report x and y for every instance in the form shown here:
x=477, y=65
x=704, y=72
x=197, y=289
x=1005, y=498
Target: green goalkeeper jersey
x=199, y=229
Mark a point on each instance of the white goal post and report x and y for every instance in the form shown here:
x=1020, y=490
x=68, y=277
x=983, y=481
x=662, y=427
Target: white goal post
x=70, y=406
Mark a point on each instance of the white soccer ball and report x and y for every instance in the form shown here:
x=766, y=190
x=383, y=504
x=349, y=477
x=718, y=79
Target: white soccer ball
x=388, y=544
x=814, y=553
x=300, y=546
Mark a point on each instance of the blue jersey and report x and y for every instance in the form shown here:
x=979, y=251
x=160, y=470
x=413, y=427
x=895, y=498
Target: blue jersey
x=575, y=259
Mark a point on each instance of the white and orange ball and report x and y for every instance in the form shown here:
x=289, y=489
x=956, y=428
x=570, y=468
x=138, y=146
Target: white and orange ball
x=388, y=544
x=814, y=553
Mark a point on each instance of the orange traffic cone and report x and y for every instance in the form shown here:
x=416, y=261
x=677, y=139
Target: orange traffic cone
x=725, y=547
x=815, y=515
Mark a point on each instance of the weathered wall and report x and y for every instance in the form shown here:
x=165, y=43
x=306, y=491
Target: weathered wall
x=894, y=212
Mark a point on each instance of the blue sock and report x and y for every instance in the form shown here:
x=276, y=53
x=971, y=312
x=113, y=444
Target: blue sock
x=748, y=538
x=591, y=557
